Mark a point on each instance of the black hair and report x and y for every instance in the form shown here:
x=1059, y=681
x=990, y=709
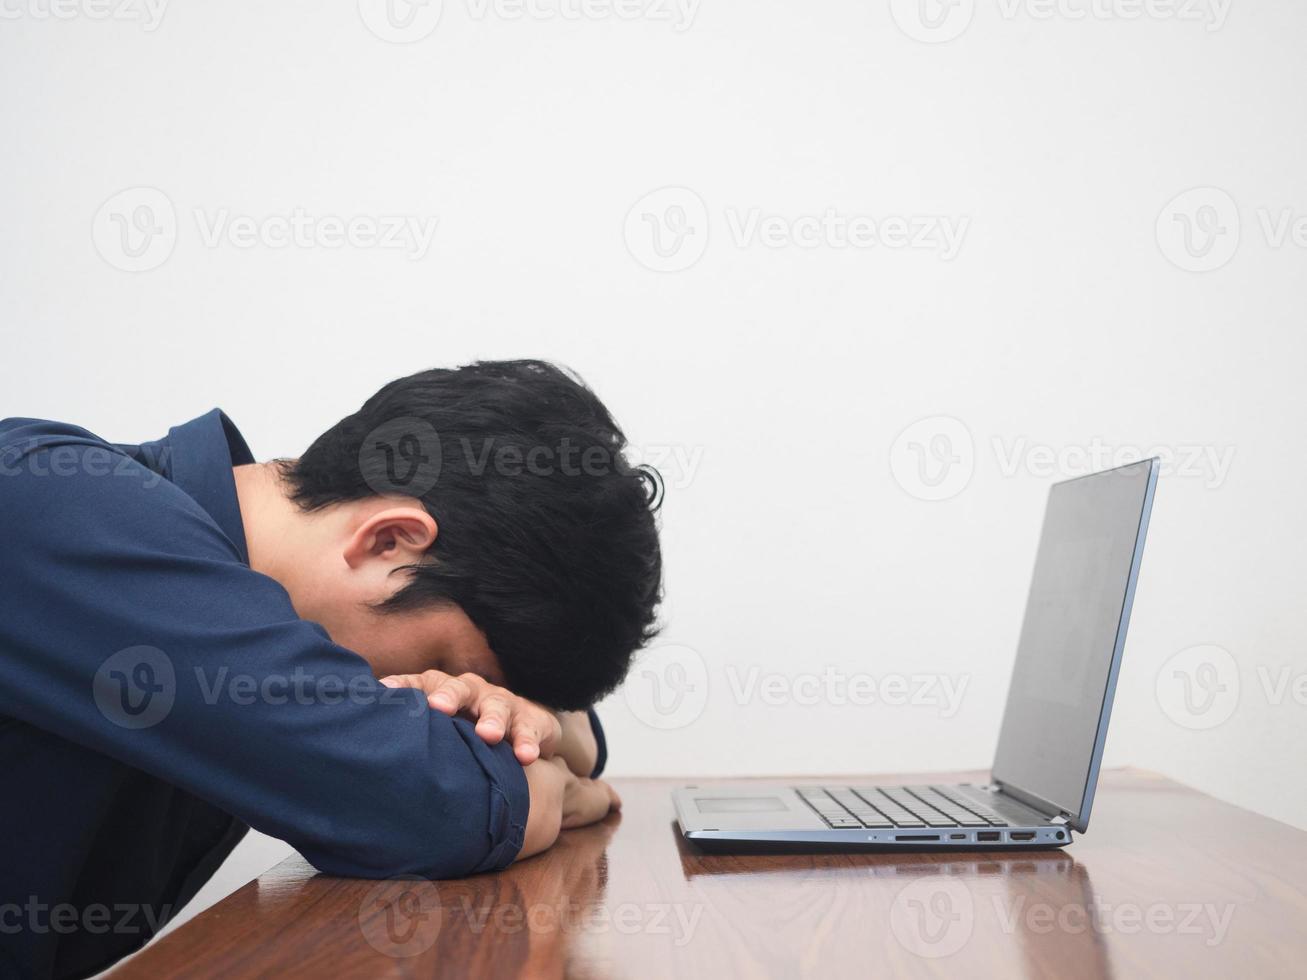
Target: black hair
x=546, y=535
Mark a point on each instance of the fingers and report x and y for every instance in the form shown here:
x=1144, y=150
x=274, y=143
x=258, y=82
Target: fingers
x=495, y=715
x=535, y=733
x=444, y=692
x=404, y=680
x=452, y=694
x=587, y=801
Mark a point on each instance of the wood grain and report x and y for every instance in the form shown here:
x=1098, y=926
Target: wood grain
x=1167, y=882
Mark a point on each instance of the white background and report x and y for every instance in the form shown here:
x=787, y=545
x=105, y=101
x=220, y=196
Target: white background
x=1075, y=315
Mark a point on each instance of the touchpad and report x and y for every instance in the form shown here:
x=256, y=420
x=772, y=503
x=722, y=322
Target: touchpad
x=739, y=804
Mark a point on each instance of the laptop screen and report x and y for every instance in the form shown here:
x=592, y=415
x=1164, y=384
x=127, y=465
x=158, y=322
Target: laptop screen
x=1058, y=703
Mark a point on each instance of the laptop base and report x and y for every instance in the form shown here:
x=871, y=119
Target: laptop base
x=763, y=817
x=733, y=845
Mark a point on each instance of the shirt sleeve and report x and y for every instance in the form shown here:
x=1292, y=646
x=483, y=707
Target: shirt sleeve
x=132, y=627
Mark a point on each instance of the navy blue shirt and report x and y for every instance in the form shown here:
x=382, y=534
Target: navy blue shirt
x=157, y=696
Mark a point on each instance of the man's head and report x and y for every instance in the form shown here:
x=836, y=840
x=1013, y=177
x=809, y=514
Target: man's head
x=482, y=519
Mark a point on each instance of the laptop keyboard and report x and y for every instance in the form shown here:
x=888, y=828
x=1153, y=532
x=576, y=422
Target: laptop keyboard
x=844, y=807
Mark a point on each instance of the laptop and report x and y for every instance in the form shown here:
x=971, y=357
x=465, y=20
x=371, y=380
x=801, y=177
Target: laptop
x=1041, y=786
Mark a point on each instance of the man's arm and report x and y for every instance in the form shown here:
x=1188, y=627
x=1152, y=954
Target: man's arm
x=131, y=627
x=502, y=716
x=582, y=745
x=563, y=752
x=579, y=801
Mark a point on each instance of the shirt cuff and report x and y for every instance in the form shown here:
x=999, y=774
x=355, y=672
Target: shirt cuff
x=601, y=757
x=510, y=799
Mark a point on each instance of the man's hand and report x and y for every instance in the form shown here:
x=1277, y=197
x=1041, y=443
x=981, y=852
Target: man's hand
x=533, y=730
x=561, y=800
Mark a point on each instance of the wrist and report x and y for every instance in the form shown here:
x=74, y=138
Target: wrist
x=578, y=746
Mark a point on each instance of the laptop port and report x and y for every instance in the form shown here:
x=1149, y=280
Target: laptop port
x=957, y=836
x=916, y=837
x=1022, y=835
x=988, y=835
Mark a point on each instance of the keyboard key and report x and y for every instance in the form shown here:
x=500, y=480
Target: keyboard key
x=927, y=814
x=847, y=797
x=892, y=810
x=982, y=811
x=829, y=808
x=955, y=812
x=877, y=822
x=860, y=808
x=812, y=793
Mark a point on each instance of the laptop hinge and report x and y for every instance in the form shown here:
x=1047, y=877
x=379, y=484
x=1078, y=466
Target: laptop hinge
x=1058, y=818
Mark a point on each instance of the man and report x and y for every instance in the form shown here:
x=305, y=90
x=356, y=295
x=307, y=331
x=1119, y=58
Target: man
x=193, y=643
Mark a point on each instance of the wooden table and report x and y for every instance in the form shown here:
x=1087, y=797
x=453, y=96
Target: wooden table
x=1168, y=882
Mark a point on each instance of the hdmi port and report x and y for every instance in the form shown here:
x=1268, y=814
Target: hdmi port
x=1022, y=835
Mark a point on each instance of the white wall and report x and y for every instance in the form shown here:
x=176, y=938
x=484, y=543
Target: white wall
x=782, y=375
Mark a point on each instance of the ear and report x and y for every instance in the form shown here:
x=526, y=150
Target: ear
x=398, y=535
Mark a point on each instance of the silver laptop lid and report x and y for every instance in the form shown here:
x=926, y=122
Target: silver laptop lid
x=1060, y=698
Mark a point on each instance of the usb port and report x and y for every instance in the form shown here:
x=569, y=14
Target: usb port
x=1022, y=835
x=987, y=835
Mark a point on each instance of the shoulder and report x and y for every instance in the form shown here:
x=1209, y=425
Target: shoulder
x=24, y=434
x=60, y=481
x=33, y=449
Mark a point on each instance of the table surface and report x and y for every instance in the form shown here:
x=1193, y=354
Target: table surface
x=1167, y=882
